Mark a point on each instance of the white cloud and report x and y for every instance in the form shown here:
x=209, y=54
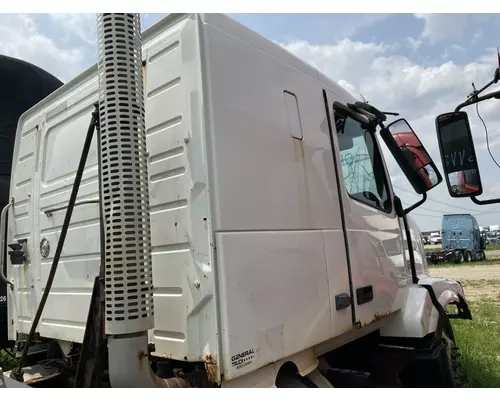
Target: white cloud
x=21, y=38
x=477, y=37
x=457, y=48
x=414, y=44
x=390, y=82
x=395, y=83
x=81, y=26
x=442, y=26
x=353, y=23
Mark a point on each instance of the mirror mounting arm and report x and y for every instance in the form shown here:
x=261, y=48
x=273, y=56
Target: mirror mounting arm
x=417, y=204
x=475, y=200
x=478, y=99
x=473, y=100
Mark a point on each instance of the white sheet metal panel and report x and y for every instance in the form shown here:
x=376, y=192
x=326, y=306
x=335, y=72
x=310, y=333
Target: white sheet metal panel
x=64, y=126
x=183, y=273
x=185, y=318
x=215, y=112
x=280, y=246
x=274, y=292
x=20, y=303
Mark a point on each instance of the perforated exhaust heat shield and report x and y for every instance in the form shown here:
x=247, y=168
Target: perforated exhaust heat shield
x=124, y=176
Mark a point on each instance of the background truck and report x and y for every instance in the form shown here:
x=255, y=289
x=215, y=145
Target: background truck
x=435, y=238
x=204, y=209
x=462, y=240
x=492, y=234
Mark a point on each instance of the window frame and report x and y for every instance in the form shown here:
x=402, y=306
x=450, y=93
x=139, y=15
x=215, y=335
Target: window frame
x=377, y=155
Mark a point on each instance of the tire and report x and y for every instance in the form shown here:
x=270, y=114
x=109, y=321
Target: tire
x=468, y=257
x=451, y=375
x=441, y=372
x=460, y=258
x=481, y=256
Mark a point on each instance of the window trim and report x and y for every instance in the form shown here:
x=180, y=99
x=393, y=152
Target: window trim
x=377, y=152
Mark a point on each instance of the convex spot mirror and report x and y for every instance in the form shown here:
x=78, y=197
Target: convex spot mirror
x=458, y=155
x=411, y=156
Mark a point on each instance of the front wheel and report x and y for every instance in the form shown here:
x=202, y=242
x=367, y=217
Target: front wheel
x=449, y=360
x=441, y=372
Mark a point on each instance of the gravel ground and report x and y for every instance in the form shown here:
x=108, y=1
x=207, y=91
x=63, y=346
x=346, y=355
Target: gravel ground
x=477, y=281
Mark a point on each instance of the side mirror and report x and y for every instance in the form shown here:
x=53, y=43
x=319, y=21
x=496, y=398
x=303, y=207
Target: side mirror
x=458, y=155
x=411, y=156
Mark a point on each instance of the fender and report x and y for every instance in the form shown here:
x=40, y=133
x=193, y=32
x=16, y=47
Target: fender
x=447, y=291
x=425, y=303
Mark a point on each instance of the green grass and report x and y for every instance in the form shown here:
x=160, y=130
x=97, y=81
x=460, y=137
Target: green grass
x=436, y=247
x=495, y=246
x=480, y=283
x=6, y=361
x=488, y=261
x=479, y=344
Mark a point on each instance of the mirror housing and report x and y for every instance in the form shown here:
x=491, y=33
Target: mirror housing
x=458, y=155
x=411, y=156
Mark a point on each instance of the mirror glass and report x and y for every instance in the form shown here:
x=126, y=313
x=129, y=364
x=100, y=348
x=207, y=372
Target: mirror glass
x=458, y=155
x=415, y=154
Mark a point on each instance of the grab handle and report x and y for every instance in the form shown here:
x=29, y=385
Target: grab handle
x=3, y=217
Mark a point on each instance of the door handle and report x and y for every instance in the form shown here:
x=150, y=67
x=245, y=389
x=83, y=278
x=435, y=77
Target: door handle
x=3, y=221
x=364, y=294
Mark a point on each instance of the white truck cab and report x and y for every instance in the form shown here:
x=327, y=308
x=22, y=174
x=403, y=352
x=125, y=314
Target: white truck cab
x=280, y=254
x=436, y=238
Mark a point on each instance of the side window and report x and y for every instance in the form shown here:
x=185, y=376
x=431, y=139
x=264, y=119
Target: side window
x=362, y=167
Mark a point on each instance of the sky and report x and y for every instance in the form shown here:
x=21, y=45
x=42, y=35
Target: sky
x=420, y=65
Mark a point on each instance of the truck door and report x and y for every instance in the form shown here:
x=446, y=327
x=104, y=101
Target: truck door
x=375, y=243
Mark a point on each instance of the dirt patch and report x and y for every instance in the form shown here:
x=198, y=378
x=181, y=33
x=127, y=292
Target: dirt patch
x=478, y=282
x=480, y=292
x=433, y=247
x=488, y=272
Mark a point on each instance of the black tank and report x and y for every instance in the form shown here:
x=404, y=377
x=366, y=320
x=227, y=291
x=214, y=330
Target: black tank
x=22, y=85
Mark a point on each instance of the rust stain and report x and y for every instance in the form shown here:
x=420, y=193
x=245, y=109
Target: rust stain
x=141, y=356
x=143, y=70
x=211, y=368
x=304, y=193
x=378, y=316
